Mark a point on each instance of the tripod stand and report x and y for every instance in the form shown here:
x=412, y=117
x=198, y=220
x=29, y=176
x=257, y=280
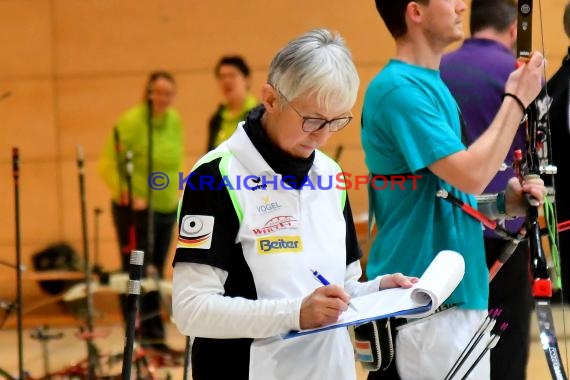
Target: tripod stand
x=41, y=334
x=88, y=335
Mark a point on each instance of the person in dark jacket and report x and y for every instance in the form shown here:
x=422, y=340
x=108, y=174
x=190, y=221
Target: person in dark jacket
x=233, y=75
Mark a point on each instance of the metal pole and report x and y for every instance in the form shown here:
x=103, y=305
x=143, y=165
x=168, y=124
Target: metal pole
x=92, y=361
x=19, y=303
x=134, y=291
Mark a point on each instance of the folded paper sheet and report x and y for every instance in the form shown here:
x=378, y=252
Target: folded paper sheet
x=436, y=284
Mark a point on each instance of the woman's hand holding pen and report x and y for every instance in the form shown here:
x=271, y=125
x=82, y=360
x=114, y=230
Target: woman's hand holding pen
x=324, y=306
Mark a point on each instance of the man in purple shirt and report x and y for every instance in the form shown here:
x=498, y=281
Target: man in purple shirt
x=476, y=74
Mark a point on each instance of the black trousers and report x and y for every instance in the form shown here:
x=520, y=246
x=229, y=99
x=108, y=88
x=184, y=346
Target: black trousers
x=151, y=326
x=563, y=213
x=511, y=291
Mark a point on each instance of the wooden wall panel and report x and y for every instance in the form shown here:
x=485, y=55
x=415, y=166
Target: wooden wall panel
x=26, y=40
x=555, y=40
x=97, y=37
x=195, y=108
x=28, y=120
x=101, y=36
x=39, y=203
x=96, y=196
x=89, y=108
x=259, y=30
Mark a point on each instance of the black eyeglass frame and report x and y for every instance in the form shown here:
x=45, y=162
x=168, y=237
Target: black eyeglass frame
x=319, y=122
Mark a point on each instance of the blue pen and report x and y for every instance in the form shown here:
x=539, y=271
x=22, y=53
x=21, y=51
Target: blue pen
x=326, y=282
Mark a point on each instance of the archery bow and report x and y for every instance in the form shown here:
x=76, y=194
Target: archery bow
x=530, y=166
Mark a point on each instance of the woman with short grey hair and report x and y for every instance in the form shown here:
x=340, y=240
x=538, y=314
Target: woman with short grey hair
x=255, y=217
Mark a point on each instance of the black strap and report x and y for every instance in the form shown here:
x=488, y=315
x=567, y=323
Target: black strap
x=214, y=127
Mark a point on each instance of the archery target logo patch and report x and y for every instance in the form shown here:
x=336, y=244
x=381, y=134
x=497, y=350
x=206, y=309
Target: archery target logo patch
x=196, y=232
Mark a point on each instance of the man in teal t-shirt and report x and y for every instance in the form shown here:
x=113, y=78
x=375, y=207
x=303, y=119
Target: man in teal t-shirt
x=411, y=125
x=395, y=144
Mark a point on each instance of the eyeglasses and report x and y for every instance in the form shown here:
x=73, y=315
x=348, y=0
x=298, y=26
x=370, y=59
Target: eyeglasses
x=313, y=124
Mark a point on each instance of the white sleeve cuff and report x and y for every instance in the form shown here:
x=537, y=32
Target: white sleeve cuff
x=355, y=288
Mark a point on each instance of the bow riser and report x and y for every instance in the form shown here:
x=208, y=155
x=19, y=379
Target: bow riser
x=524, y=29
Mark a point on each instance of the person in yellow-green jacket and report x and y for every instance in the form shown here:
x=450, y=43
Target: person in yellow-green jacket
x=143, y=197
x=233, y=75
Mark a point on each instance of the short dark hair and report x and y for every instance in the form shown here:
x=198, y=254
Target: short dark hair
x=393, y=13
x=496, y=14
x=153, y=77
x=233, y=60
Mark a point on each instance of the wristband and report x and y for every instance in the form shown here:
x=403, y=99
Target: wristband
x=516, y=98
